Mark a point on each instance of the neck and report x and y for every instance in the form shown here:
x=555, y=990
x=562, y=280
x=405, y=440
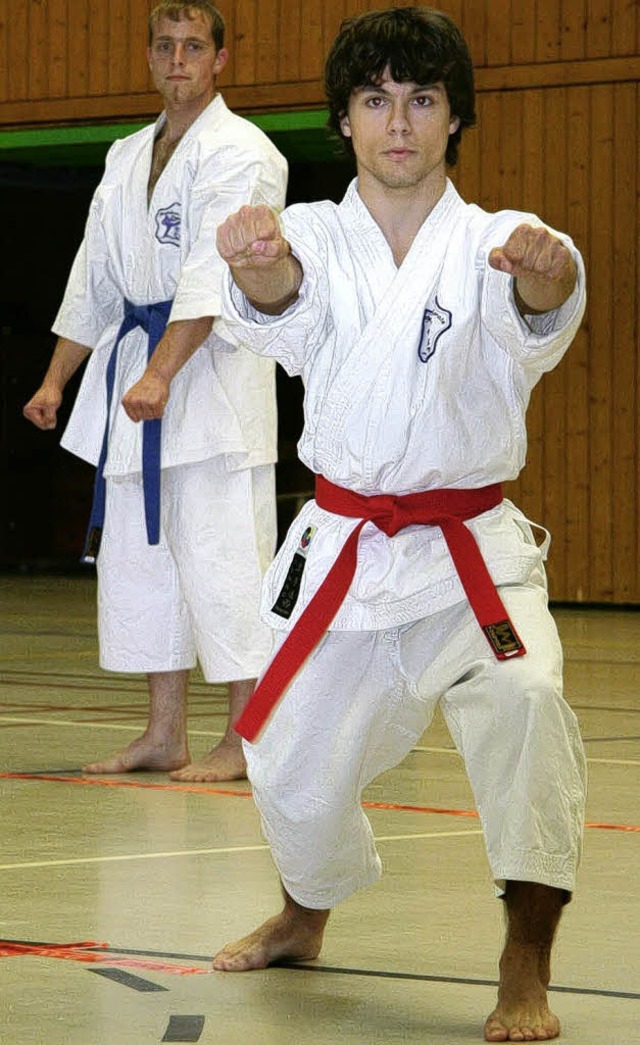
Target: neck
x=400, y=211
x=180, y=117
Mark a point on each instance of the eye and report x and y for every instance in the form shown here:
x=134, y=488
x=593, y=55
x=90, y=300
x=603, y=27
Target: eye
x=423, y=101
x=193, y=47
x=375, y=101
x=163, y=47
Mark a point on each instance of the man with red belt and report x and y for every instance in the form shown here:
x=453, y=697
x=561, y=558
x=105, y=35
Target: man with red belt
x=420, y=325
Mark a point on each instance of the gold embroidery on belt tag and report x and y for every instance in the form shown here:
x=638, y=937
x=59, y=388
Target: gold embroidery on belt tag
x=502, y=637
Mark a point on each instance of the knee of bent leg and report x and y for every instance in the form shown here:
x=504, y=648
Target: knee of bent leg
x=532, y=697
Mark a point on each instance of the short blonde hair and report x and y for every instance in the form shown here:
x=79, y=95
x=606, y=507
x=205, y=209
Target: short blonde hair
x=175, y=10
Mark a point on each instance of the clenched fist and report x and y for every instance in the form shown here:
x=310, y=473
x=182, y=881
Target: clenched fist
x=260, y=258
x=544, y=268
x=42, y=408
x=251, y=236
x=146, y=400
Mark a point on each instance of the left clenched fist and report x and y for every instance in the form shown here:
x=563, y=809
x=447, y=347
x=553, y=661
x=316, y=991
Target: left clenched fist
x=146, y=400
x=544, y=268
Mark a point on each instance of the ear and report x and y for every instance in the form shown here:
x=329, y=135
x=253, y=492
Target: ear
x=345, y=126
x=454, y=123
x=149, y=56
x=221, y=60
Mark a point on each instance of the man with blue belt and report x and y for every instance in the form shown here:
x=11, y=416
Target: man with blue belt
x=180, y=424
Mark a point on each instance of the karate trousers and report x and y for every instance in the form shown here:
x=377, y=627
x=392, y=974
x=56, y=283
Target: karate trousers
x=196, y=594
x=362, y=701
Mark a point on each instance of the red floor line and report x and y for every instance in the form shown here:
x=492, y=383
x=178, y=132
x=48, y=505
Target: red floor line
x=228, y=792
x=80, y=952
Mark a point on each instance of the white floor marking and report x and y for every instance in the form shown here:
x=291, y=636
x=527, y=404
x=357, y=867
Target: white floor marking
x=222, y=851
x=70, y=723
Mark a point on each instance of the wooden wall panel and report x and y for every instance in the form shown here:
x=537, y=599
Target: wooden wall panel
x=575, y=545
x=559, y=134
x=564, y=154
x=572, y=30
x=56, y=51
x=600, y=349
x=548, y=31
x=78, y=83
x=624, y=538
x=523, y=37
x=123, y=52
x=98, y=49
x=274, y=42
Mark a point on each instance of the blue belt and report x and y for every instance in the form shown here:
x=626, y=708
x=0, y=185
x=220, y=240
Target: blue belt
x=153, y=319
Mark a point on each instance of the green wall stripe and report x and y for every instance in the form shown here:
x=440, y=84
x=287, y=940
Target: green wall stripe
x=270, y=123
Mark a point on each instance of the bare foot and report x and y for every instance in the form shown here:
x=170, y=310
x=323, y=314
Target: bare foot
x=522, y=1012
x=139, y=755
x=285, y=936
x=526, y=1022
x=224, y=762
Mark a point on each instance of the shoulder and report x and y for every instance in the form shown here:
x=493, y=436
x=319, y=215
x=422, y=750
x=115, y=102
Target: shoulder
x=312, y=220
x=221, y=132
x=123, y=149
x=482, y=230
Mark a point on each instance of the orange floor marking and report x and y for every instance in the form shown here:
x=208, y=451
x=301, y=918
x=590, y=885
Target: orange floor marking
x=83, y=952
x=203, y=790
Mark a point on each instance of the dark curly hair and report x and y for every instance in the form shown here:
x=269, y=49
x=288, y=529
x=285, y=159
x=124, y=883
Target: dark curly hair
x=419, y=44
x=175, y=10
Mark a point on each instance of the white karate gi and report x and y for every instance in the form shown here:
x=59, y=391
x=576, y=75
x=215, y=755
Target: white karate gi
x=416, y=378
x=222, y=402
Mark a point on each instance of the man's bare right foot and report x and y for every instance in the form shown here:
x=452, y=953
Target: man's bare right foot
x=224, y=762
x=295, y=936
x=140, y=755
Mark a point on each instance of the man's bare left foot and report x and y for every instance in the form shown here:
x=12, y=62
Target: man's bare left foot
x=526, y=1022
x=281, y=937
x=224, y=762
x=522, y=1012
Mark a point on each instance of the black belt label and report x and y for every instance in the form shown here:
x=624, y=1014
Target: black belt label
x=502, y=637
x=290, y=591
x=93, y=543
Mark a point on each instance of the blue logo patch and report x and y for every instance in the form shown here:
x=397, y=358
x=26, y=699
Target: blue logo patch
x=435, y=322
x=168, y=225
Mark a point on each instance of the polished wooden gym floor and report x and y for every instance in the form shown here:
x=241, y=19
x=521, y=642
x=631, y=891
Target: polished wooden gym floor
x=141, y=880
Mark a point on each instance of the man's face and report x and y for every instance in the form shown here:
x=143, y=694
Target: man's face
x=183, y=60
x=399, y=132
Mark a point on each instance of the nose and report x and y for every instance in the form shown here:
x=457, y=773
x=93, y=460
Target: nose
x=399, y=118
x=178, y=54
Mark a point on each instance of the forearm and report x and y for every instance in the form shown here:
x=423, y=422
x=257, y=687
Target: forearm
x=534, y=297
x=67, y=357
x=178, y=343
x=270, y=289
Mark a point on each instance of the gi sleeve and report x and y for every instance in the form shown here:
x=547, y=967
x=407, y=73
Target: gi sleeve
x=293, y=337
x=231, y=178
x=536, y=342
x=91, y=298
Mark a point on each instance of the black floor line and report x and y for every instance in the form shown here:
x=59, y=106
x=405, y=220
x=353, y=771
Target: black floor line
x=381, y=973
x=601, y=740
x=127, y=979
x=342, y=971
x=184, y=1028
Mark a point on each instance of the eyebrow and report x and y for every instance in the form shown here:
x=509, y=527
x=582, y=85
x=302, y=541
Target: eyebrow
x=419, y=89
x=184, y=40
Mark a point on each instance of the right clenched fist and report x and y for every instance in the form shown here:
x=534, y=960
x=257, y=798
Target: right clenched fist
x=252, y=238
x=42, y=409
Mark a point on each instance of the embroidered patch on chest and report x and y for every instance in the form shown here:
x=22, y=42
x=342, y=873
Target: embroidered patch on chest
x=168, y=221
x=435, y=322
x=290, y=590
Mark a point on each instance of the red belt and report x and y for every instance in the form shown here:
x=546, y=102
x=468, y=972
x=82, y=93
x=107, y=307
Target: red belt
x=444, y=508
